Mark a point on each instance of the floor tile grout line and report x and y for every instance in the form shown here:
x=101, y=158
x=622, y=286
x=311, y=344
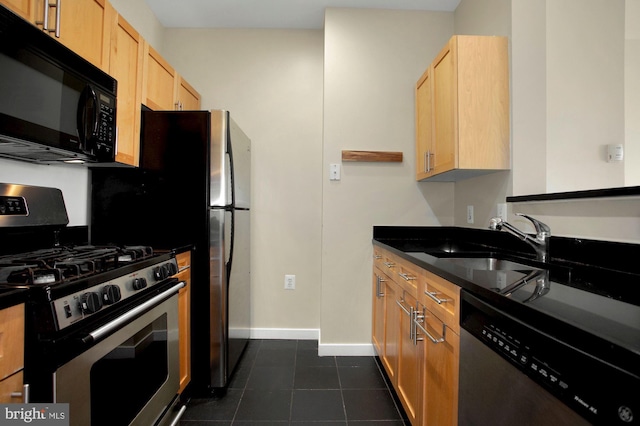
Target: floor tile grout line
x=246, y=383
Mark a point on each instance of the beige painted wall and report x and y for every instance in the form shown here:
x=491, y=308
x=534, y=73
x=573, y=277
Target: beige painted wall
x=585, y=93
x=482, y=17
x=271, y=82
x=372, y=60
x=604, y=219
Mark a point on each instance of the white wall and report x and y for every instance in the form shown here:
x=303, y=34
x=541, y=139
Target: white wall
x=602, y=219
x=585, y=93
x=271, y=82
x=72, y=180
x=372, y=61
x=632, y=92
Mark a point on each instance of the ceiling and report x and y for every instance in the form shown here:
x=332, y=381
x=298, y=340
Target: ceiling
x=296, y=14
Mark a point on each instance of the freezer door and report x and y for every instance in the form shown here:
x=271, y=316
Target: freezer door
x=241, y=171
x=230, y=162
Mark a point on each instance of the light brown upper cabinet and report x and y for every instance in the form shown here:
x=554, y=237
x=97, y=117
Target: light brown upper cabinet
x=125, y=65
x=187, y=99
x=462, y=110
x=24, y=8
x=84, y=26
x=163, y=88
x=159, y=78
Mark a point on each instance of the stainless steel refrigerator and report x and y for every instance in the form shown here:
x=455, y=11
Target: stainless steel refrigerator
x=192, y=189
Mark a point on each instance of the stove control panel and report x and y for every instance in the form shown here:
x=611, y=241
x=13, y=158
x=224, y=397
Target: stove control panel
x=13, y=206
x=80, y=305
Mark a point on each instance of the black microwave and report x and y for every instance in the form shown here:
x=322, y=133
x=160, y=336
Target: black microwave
x=54, y=105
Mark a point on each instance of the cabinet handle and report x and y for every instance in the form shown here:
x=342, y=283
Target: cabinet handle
x=377, y=256
x=414, y=323
x=379, y=281
x=432, y=295
x=401, y=304
x=389, y=264
x=45, y=21
x=406, y=277
x=45, y=16
x=24, y=394
x=58, y=7
x=426, y=333
x=428, y=160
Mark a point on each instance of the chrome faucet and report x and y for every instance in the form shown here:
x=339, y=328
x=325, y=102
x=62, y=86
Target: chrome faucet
x=541, y=241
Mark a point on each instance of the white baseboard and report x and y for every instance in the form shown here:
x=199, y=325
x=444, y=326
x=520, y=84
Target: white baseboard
x=343, y=349
x=285, y=333
x=365, y=349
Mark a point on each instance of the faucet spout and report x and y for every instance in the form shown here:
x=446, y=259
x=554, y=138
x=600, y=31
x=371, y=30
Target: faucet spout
x=540, y=242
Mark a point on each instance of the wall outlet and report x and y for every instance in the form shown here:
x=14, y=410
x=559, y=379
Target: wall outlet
x=469, y=214
x=289, y=282
x=502, y=211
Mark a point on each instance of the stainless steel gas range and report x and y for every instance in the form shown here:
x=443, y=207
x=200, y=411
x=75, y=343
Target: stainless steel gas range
x=101, y=326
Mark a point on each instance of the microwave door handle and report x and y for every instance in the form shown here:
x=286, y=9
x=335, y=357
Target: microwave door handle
x=87, y=118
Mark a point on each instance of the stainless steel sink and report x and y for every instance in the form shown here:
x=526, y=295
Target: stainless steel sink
x=487, y=264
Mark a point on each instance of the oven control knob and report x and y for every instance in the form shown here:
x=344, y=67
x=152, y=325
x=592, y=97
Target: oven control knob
x=164, y=271
x=111, y=294
x=91, y=302
x=139, y=283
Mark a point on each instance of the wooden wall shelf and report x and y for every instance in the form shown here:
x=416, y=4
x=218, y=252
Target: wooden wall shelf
x=386, y=156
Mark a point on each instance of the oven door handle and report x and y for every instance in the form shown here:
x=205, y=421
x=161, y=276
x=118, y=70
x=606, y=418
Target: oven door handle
x=116, y=323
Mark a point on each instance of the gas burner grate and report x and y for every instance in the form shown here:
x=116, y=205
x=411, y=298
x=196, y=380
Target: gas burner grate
x=30, y=275
x=55, y=265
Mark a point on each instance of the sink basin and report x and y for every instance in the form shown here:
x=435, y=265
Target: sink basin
x=487, y=264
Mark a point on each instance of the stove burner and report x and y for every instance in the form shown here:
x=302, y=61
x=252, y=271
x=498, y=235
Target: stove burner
x=63, y=264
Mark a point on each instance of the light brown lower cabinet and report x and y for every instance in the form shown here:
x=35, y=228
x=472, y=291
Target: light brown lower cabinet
x=184, y=318
x=418, y=348
x=11, y=354
x=440, y=382
x=410, y=365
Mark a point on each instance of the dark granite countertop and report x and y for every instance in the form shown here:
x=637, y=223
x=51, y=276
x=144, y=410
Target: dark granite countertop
x=593, y=297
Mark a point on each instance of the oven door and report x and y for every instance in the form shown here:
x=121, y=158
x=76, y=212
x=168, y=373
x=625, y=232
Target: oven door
x=131, y=375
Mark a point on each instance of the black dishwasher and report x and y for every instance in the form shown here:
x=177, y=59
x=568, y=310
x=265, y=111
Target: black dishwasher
x=527, y=370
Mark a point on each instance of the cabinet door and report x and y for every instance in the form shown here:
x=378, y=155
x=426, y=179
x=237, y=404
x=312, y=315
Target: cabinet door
x=159, y=78
x=377, y=325
x=445, y=117
x=11, y=340
x=125, y=65
x=84, y=27
x=440, y=382
x=24, y=8
x=391, y=330
x=410, y=360
x=12, y=390
x=482, y=76
x=188, y=97
x=424, y=126
x=184, y=319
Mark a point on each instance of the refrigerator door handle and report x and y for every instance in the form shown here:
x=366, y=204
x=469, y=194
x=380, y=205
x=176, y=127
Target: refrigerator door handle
x=231, y=165
x=230, y=261
x=233, y=197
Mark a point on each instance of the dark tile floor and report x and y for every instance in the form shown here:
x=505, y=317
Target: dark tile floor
x=285, y=382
